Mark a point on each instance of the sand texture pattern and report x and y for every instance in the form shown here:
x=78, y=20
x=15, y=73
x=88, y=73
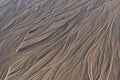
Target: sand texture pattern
x=59, y=39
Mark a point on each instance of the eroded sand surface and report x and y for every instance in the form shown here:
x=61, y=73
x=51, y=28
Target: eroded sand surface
x=59, y=39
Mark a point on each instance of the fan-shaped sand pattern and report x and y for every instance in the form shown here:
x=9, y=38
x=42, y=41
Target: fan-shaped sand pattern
x=59, y=39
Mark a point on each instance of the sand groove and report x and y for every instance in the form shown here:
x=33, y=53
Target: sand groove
x=59, y=40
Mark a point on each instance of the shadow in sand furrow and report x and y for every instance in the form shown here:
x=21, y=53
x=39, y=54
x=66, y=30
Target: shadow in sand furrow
x=16, y=21
x=59, y=40
x=42, y=63
x=3, y=73
x=98, y=3
x=47, y=39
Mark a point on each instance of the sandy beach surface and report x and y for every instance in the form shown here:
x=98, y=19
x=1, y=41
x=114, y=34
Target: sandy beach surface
x=59, y=39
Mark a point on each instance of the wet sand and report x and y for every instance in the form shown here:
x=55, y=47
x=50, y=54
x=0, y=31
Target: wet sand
x=59, y=40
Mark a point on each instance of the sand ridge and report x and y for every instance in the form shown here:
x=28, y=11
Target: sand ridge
x=59, y=40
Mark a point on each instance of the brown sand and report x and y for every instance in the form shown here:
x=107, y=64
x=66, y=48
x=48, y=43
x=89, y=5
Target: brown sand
x=59, y=39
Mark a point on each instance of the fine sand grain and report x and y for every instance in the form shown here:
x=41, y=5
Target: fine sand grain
x=59, y=39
